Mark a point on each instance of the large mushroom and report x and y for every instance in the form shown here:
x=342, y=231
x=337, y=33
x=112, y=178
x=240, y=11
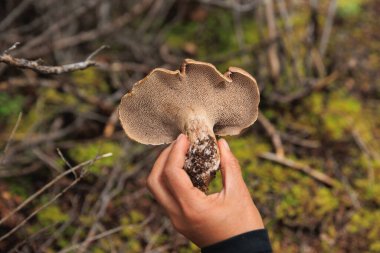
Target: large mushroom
x=198, y=101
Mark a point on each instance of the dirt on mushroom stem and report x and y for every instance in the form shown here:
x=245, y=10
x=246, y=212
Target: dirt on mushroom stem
x=202, y=159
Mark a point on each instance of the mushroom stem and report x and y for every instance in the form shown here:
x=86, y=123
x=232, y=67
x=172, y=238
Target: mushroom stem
x=202, y=159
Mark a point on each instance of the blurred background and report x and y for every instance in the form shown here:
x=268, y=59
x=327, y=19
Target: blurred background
x=311, y=161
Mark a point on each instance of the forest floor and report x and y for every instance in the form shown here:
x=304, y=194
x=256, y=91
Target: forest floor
x=311, y=161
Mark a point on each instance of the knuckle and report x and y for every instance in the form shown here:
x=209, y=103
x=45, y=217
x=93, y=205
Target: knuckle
x=235, y=162
x=150, y=181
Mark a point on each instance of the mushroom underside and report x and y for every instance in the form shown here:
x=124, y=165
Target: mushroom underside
x=196, y=101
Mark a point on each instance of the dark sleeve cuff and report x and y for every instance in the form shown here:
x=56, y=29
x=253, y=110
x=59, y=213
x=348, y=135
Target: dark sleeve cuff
x=256, y=241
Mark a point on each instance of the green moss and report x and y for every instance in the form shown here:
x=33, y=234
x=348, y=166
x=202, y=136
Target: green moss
x=98, y=250
x=251, y=34
x=20, y=187
x=134, y=246
x=90, y=150
x=86, y=220
x=212, y=36
x=189, y=248
x=53, y=96
x=325, y=202
x=62, y=243
x=10, y=105
x=130, y=231
x=90, y=81
x=369, y=191
x=368, y=223
x=136, y=216
x=52, y=214
x=334, y=116
x=162, y=239
x=131, y=222
x=349, y=8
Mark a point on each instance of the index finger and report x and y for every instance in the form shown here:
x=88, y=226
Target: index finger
x=177, y=179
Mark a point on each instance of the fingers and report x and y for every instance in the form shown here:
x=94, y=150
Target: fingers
x=155, y=182
x=231, y=172
x=177, y=179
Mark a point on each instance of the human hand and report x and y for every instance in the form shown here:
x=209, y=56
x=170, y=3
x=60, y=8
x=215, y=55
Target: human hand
x=204, y=219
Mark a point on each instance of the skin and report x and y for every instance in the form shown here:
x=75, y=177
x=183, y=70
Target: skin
x=203, y=219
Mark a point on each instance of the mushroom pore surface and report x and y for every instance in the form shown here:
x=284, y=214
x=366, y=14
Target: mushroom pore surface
x=198, y=101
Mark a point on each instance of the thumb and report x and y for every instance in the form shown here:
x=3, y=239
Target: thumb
x=231, y=172
x=176, y=177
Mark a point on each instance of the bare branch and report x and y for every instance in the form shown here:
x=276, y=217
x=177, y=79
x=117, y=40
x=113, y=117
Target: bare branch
x=42, y=207
x=300, y=141
x=36, y=66
x=235, y=5
x=273, y=134
x=274, y=61
x=107, y=233
x=11, y=136
x=92, y=55
x=13, y=47
x=52, y=182
x=316, y=85
x=317, y=175
x=16, y=12
x=328, y=27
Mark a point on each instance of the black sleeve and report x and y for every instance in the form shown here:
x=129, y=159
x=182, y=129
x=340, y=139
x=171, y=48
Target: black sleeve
x=256, y=241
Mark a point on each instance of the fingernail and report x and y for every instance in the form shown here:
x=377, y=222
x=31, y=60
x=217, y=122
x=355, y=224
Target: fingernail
x=225, y=144
x=179, y=138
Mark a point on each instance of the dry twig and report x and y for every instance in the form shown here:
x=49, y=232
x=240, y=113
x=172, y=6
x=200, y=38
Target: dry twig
x=11, y=137
x=328, y=27
x=42, y=207
x=107, y=233
x=36, y=66
x=52, y=182
x=273, y=134
x=304, y=92
x=317, y=175
x=274, y=62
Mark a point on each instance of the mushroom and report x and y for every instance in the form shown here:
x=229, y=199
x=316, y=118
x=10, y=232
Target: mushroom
x=198, y=101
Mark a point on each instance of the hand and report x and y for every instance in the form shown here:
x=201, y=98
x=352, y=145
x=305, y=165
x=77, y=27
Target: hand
x=204, y=219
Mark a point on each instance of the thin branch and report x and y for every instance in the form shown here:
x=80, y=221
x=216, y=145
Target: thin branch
x=13, y=47
x=54, y=28
x=66, y=162
x=47, y=159
x=274, y=61
x=36, y=66
x=108, y=28
x=317, y=175
x=63, y=158
x=300, y=141
x=16, y=12
x=273, y=134
x=106, y=233
x=370, y=156
x=328, y=27
x=37, y=140
x=15, y=172
x=92, y=55
x=304, y=92
x=11, y=135
x=42, y=207
x=235, y=5
x=52, y=182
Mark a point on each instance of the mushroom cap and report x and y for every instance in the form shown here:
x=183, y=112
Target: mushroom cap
x=158, y=107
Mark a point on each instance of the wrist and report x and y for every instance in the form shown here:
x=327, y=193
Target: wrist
x=255, y=241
